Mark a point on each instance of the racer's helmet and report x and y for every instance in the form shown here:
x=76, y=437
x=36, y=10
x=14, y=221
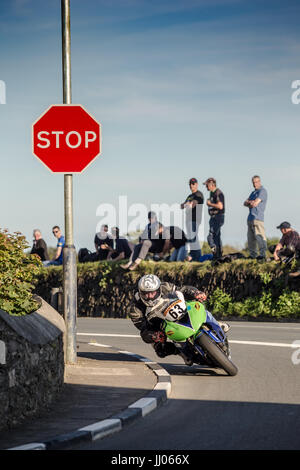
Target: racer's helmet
x=149, y=287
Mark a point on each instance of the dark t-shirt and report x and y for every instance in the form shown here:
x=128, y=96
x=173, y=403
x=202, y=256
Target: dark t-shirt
x=291, y=239
x=198, y=197
x=158, y=240
x=100, y=239
x=177, y=237
x=215, y=197
x=121, y=246
x=40, y=248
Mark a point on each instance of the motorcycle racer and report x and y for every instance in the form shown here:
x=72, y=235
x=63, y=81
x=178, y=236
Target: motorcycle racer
x=150, y=300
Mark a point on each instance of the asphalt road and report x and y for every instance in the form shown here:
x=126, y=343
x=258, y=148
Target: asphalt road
x=257, y=409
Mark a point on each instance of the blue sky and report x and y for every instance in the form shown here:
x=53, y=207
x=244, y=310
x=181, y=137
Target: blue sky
x=182, y=88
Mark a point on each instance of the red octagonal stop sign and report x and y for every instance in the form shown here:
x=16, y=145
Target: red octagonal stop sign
x=66, y=138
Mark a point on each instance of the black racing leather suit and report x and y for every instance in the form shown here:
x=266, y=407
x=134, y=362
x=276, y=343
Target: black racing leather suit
x=147, y=329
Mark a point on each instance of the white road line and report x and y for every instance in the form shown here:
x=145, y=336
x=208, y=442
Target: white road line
x=260, y=343
x=250, y=343
x=127, y=352
x=109, y=335
x=277, y=327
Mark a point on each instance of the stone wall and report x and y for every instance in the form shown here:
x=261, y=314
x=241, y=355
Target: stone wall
x=31, y=363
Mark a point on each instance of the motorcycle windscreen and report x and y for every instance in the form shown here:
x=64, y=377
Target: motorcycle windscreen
x=189, y=325
x=197, y=314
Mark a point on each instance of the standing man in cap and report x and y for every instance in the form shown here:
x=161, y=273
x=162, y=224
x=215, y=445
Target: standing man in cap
x=194, y=208
x=289, y=243
x=216, y=210
x=256, y=203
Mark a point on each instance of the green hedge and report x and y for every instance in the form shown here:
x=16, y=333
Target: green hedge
x=242, y=288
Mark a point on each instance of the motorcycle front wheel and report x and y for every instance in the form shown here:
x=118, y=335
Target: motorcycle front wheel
x=217, y=355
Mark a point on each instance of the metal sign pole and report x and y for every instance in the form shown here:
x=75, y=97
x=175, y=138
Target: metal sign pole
x=69, y=252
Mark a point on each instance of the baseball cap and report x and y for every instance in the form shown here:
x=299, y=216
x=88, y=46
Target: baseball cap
x=284, y=225
x=210, y=180
x=193, y=180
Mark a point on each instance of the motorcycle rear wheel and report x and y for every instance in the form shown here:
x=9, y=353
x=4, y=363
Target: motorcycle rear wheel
x=217, y=355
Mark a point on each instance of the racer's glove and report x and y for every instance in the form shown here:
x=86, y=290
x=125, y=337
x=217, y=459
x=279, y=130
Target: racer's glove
x=150, y=336
x=159, y=337
x=200, y=296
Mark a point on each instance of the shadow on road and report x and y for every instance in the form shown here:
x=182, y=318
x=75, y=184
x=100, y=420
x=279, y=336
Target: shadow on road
x=195, y=370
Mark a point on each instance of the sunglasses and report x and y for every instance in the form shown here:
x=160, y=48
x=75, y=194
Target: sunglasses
x=55, y=231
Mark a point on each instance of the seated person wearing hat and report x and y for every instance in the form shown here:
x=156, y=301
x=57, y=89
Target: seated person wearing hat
x=289, y=243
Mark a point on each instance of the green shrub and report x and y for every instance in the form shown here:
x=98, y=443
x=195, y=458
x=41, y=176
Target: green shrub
x=18, y=270
x=261, y=305
x=219, y=301
x=105, y=274
x=264, y=305
x=288, y=304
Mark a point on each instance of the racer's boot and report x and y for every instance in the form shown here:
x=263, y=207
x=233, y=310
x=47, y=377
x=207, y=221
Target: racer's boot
x=184, y=353
x=167, y=348
x=187, y=360
x=225, y=326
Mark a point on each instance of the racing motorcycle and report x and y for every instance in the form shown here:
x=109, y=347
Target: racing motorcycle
x=188, y=325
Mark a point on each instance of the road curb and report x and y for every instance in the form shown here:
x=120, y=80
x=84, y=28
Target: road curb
x=117, y=422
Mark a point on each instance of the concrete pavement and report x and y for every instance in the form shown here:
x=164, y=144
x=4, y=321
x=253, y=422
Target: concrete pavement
x=104, y=391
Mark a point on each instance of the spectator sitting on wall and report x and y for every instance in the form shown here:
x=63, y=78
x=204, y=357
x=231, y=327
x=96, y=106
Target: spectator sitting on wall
x=39, y=246
x=160, y=242
x=289, y=244
x=121, y=248
x=58, y=257
x=154, y=239
x=178, y=241
x=103, y=243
